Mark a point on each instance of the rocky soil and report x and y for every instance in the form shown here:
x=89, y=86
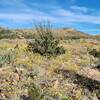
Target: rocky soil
x=72, y=76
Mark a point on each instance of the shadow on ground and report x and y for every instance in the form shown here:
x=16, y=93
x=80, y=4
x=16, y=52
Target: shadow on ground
x=81, y=81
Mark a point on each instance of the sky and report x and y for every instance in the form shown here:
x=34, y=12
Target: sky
x=83, y=15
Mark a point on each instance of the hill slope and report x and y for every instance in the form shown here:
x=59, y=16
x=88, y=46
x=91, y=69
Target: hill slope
x=63, y=33
x=70, y=32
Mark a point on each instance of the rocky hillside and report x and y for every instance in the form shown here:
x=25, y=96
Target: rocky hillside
x=64, y=33
x=70, y=32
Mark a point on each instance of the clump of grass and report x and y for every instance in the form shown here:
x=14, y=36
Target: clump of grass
x=35, y=93
x=45, y=43
x=7, y=58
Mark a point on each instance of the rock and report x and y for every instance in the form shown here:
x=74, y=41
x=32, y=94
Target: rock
x=16, y=77
x=90, y=73
x=56, y=84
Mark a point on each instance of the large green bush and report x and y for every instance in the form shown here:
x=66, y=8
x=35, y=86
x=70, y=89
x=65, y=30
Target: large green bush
x=7, y=34
x=44, y=42
x=95, y=53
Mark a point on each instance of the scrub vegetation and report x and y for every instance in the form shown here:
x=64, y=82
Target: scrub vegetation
x=49, y=64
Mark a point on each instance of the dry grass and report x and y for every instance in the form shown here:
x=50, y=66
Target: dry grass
x=54, y=84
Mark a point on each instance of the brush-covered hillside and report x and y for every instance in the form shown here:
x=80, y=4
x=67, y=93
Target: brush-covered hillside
x=63, y=33
x=46, y=64
x=71, y=33
x=97, y=37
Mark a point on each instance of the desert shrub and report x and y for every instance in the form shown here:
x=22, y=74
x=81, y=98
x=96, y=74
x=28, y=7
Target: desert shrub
x=35, y=93
x=7, y=58
x=8, y=34
x=4, y=33
x=95, y=53
x=72, y=37
x=45, y=43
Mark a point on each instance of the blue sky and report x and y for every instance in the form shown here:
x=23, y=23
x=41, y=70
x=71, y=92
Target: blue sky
x=83, y=15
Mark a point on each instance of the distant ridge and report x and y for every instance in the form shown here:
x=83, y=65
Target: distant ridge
x=62, y=33
x=71, y=32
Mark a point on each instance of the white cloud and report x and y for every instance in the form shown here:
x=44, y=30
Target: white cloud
x=23, y=17
x=62, y=12
x=56, y=14
x=69, y=16
x=72, y=1
x=81, y=9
